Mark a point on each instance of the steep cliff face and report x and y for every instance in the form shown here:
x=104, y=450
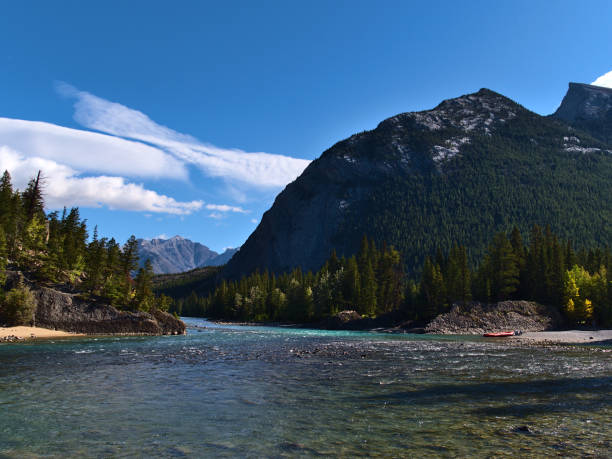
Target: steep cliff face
x=470, y=167
x=589, y=108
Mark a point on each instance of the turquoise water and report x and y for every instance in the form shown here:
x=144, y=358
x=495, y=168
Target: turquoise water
x=256, y=391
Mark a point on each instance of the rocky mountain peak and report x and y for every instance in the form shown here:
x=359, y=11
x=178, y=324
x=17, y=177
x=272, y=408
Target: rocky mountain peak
x=585, y=101
x=178, y=254
x=588, y=108
x=478, y=112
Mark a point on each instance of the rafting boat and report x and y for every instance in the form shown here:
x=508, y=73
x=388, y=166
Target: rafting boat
x=499, y=334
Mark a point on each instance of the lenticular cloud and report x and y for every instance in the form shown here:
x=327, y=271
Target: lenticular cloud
x=255, y=169
x=64, y=187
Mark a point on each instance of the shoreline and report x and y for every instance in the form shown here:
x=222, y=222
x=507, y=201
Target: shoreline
x=566, y=337
x=23, y=333
x=562, y=337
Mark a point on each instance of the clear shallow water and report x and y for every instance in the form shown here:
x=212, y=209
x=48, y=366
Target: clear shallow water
x=257, y=391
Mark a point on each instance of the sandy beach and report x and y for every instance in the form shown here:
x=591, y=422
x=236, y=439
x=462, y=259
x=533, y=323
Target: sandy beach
x=567, y=337
x=33, y=333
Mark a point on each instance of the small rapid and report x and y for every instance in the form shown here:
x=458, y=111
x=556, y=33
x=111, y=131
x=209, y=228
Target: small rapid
x=227, y=391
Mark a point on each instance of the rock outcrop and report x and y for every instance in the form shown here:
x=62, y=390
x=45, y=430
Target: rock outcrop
x=589, y=108
x=65, y=311
x=70, y=312
x=478, y=318
x=340, y=321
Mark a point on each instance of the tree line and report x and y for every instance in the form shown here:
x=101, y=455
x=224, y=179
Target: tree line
x=55, y=249
x=373, y=282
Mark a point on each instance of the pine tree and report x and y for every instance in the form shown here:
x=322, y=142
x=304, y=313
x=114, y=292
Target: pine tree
x=432, y=290
x=3, y=257
x=367, y=303
x=32, y=197
x=6, y=200
x=351, y=284
x=458, y=277
x=144, y=299
x=504, y=268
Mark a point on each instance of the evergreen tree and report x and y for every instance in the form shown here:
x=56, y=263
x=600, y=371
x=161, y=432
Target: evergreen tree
x=458, y=277
x=432, y=290
x=144, y=299
x=32, y=197
x=3, y=257
x=503, y=270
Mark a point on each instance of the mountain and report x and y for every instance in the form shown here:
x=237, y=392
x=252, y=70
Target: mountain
x=421, y=181
x=589, y=108
x=178, y=254
x=222, y=258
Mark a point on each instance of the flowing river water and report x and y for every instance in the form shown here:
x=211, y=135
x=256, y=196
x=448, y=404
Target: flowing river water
x=230, y=391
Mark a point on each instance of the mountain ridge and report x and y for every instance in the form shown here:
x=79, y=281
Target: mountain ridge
x=178, y=254
x=471, y=166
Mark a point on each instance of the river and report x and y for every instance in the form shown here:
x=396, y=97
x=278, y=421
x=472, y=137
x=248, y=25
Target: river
x=231, y=391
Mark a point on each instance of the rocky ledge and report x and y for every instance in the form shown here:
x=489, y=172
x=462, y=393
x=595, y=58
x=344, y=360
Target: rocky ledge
x=72, y=313
x=65, y=311
x=477, y=318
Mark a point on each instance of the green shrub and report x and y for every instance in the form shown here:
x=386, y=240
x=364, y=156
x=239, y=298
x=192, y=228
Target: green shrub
x=17, y=307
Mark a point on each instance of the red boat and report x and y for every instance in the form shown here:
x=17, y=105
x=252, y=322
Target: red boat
x=499, y=334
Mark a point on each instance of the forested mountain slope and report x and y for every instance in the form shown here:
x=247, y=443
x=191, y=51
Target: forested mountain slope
x=471, y=167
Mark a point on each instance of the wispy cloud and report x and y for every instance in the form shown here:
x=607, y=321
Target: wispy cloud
x=604, y=80
x=226, y=208
x=65, y=187
x=255, y=169
x=89, y=151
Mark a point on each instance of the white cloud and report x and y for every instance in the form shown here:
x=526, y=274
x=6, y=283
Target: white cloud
x=254, y=220
x=604, y=80
x=226, y=208
x=89, y=151
x=216, y=215
x=64, y=187
x=257, y=169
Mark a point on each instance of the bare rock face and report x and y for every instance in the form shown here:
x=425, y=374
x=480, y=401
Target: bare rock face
x=64, y=311
x=589, y=108
x=69, y=312
x=478, y=318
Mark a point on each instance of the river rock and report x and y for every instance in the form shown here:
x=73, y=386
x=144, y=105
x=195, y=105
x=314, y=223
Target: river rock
x=340, y=320
x=478, y=318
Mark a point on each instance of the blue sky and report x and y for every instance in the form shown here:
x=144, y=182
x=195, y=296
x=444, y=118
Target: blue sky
x=189, y=117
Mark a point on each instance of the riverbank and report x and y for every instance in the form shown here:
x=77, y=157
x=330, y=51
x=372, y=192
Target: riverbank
x=11, y=334
x=567, y=337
